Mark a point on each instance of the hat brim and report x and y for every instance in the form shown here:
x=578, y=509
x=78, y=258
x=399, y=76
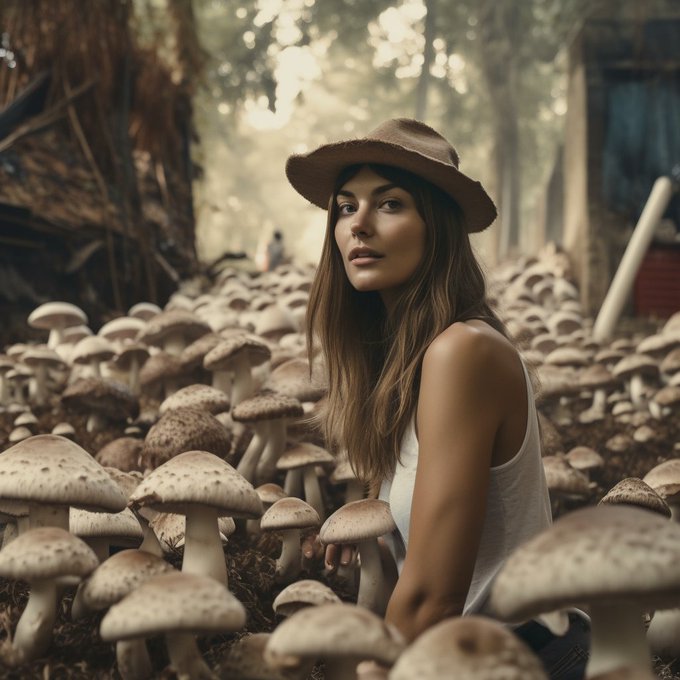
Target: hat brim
x=313, y=175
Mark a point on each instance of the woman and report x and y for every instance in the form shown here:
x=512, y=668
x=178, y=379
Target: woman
x=426, y=393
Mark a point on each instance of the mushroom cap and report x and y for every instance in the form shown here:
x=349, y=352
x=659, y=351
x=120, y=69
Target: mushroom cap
x=568, y=356
x=122, y=453
x=56, y=315
x=50, y=469
x=664, y=478
x=174, y=602
x=636, y=363
x=667, y=396
x=266, y=406
x=144, y=310
x=185, y=429
x=18, y=434
x=584, y=458
x=45, y=553
x=107, y=397
x=92, y=348
x=173, y=321
x=129, y=352
x=633, y=491
x=270, y=492
x=332, y=630
x=564, y=479
x=671, y=362
x=121, y=573
x=192, y=355
x=120, y=525
x=358, y=521
x=289, y=513
x=42, y=354
x=605, y=553
x=158, y=367
x=293, y=379
x=478, y=648
x=303, y=593
x=275, y=319
x=197, y=478
x=196, y=396
x=596, y=376
x=304, y=454
x=122, y=328
x=223, y=355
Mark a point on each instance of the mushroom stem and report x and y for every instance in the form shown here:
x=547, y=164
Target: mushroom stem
x=174, y=343
x=276, y=443
x=41, y=390
x=186, y=658
x=203, y=553
x=34, y=631
x=133, y=376
x=248, y=463
x=292, y=485
x=95, y=423
x=638, y=391
x=313, y=491
x=221, y=380
x=132, y=658
x=41, y=515
x=150, y=543
x=242, y=387
x=371, y=591
x=617, y=638
x=289, y=562
x=354, y=491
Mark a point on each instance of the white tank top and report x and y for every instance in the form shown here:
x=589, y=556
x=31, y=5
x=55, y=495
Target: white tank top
x=518, y=506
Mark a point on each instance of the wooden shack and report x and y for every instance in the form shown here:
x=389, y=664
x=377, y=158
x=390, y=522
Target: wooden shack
x=95, y=170
x=622, y=132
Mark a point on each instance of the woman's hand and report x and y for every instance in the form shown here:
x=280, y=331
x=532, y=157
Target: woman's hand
x=334, y=555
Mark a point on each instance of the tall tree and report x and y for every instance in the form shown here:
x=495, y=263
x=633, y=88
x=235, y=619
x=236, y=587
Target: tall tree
x=428, y=57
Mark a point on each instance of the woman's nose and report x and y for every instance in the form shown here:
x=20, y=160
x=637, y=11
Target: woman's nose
x=361, y=223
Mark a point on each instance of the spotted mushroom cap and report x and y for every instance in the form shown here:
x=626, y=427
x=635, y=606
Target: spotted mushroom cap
x=358, y=521
x=161, y=325
x=45, y=553
x=602, y=553
x=184, y=429
x=289, y=513
x=479, y=648
x=197, y=396
x=304, y=454
x=332, y=630
x=633, y=491
x=122, y=453
x=121, y=573
x=266, y=406
x=47, y=468
x=107, y=397
x=293, y=378
x=224, y=354
x=197, y=478
x=176, y=602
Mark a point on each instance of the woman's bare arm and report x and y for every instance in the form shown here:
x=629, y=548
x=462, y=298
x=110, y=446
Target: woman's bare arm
x=464, y=398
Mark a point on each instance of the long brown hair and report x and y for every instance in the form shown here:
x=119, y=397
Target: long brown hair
x=373, y=360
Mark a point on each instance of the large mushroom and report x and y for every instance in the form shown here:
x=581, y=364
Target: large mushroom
x=202, y=487
x=616, y=560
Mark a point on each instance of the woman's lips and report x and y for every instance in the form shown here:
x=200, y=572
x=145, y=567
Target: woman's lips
x=363, y=256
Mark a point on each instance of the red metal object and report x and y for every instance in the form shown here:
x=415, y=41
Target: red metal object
x=657, y=286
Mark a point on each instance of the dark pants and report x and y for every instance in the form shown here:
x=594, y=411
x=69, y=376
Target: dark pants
x=564, y=657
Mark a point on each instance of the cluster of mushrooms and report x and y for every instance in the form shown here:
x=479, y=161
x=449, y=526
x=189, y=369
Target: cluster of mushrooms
x=214, y=399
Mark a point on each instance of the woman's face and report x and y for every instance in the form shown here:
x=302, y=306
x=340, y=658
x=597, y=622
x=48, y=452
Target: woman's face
x=379, y=233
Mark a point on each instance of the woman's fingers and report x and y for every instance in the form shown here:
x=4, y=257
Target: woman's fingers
x=340, y=555
x=348, y=555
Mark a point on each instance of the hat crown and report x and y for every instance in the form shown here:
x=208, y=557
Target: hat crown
x=417, y=137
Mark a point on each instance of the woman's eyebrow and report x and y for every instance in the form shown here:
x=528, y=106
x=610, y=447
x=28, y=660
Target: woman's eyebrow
x=378, y=190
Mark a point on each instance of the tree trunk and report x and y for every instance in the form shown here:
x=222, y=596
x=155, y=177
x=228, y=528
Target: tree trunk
x=428, y=56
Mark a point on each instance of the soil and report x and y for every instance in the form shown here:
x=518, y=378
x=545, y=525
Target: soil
x=78, y=653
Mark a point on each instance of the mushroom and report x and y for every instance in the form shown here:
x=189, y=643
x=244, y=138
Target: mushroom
x=634, y=491
x=300, y=594
x=123, y=453
x=362, y=522
x=289, y=516
x=51, y=473
x=202, y=487
x=55, y=317
x=178, y=605
x=47, y=558
x=173, y=330
x=475, y=646
x=342, y=635
x=617, y=560
x=184, y=429
x=40, y=359
x=635, y=369
x=109, y=583
x=197, y=396
x=664, y=478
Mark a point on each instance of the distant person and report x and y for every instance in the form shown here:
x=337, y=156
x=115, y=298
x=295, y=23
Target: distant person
x=275, y=251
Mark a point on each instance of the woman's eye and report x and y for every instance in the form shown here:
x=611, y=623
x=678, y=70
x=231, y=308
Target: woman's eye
x=391, y=204
x=345, y=208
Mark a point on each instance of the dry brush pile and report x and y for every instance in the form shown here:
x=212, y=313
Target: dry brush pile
x=159, y=479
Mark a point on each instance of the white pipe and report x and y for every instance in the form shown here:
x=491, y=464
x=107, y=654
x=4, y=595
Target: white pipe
x=630, y=262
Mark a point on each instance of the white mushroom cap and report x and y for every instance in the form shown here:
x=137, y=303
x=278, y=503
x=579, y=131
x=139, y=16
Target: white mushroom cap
x=303, y=593
x=197, y=478
x=174, y=602
x=46, y=553
x=332, y=631
x=289, y=513
x=468, y=648
x=119, y=575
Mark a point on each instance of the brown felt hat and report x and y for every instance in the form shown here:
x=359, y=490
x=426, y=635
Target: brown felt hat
x=402, y=143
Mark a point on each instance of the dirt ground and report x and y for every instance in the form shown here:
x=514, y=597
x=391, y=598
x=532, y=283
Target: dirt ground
x=78, y=653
